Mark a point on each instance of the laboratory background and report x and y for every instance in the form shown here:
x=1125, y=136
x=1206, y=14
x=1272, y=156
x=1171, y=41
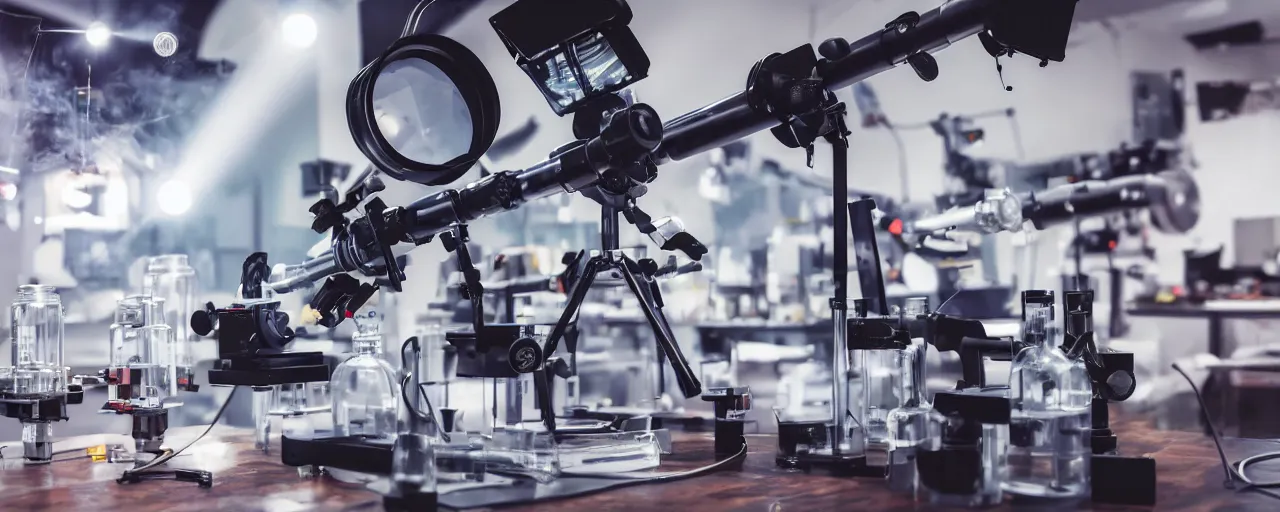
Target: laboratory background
x=633, y=255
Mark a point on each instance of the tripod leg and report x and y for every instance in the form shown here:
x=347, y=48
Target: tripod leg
x=685, y=378
x=576, y=296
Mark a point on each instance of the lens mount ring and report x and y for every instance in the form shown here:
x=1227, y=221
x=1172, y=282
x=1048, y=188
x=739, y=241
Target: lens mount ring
x=472, y=81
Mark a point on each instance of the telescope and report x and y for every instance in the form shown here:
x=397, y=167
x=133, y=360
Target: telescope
x=788, y=93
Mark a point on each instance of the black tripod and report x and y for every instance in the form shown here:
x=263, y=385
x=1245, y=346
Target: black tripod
x=638, y=275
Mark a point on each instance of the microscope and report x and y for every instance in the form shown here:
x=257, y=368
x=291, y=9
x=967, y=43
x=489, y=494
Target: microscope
x=36, y=389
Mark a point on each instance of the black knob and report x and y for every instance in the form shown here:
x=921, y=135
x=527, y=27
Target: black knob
x=834, y=49
x=648, y=266
x=925, y=65
x=202, y=322
x=525, y=355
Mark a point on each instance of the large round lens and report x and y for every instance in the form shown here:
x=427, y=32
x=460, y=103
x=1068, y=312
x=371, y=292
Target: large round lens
x=421, y=112
x=425, y=111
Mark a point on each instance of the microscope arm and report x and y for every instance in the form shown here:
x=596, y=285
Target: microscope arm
x=1171, y=197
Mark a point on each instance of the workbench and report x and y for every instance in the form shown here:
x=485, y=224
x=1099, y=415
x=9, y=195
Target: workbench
x=1190, y=474
x=1215, y=312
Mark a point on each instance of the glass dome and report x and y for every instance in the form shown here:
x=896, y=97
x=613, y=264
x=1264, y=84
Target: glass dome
x=365, y=391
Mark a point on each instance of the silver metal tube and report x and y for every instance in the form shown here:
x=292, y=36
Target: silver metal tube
x=965, y=217
x=301, y=275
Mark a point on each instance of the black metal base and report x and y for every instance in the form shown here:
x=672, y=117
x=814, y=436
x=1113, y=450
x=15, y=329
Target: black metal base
x=1122, y=480
x=361, y=454
x=411, y=502
x=42, y=409
x=270, y=370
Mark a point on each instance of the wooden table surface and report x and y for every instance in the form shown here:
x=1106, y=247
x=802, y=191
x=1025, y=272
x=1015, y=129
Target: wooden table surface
x=1190, y=478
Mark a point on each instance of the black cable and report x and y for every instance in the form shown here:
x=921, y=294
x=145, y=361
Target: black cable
x=430, y=415
x=1235, y=471
x=141, y=472
x=625, y=479
x=1217, y=442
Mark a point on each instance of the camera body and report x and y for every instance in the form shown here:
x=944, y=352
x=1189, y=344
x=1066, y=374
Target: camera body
x=577, y=52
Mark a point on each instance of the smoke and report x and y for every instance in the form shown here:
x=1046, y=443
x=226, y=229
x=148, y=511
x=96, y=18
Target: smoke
x=122, y=104
x=16, y=36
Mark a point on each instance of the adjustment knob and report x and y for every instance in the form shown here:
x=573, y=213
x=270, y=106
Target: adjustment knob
x=835, y=48
x=1120, y=385
x=204, y=320
x=525, y=355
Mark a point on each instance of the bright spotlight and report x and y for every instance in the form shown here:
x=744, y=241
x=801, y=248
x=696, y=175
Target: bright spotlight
x=97, y=34
x=174, y=198
x=299, y=30
x=165, y=44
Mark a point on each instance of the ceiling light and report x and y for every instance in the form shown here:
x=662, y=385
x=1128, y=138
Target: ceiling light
x=165, y=44
x=299, y=30
x=97, y=34
x=174, y=198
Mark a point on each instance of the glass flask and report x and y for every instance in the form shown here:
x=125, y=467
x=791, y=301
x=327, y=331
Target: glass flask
x=1050, y=425
x=169, y=277
x=365, y=390
x=36, y=328
x=908, y=423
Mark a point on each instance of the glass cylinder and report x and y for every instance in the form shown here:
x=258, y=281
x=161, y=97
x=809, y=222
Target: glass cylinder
x=169, y=277
x=1050, y=424
x=154, y=370
x=142, y=357
x=908, y=423
x=413, y=463
x=366, y=391
x=961, y=462
x=720, y=370
x=36, y=329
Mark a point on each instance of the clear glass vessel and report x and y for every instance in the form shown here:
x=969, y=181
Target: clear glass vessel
x=413, y=463
x=171, y=278
x=143, y=357
x=617, y=452
x=961, y=462
x=36, y=331
x=366, y=392
x=1050, y=424
x=908, y=423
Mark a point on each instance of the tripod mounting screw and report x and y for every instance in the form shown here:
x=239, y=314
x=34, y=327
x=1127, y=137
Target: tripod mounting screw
x=525, y=355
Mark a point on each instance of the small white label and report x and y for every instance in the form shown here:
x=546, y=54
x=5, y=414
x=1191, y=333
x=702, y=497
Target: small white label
x=29, y=435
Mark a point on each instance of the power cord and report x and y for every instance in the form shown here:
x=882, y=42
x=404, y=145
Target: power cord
x=204, y=478
x=430, y=415
x=1234, y=472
